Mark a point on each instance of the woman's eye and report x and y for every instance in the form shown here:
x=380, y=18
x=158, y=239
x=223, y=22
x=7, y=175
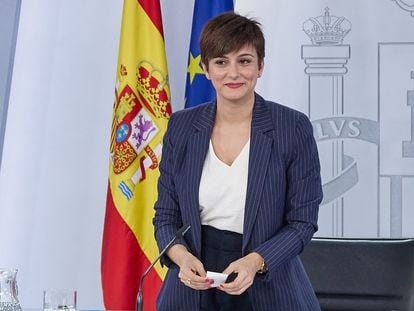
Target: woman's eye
x=220, y=62
x=245, y=61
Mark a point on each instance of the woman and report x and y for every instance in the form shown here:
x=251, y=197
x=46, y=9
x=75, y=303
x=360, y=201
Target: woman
x=244, y=173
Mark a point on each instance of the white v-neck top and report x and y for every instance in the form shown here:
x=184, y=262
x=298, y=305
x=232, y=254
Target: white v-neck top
x=222, y=192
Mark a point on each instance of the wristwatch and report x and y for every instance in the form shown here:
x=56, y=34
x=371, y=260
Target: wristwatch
x=263, y=268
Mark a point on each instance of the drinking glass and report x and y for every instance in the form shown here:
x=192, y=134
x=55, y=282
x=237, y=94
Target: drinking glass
x=59, y=299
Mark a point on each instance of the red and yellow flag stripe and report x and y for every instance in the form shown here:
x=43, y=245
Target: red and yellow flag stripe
x=140, y=116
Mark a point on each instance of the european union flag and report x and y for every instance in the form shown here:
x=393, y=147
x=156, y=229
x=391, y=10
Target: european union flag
x=198, y=89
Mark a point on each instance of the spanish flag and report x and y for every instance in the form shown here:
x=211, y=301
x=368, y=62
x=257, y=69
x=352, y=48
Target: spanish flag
x=140, y=115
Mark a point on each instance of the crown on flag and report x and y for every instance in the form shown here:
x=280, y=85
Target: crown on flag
x=327, y=29
x=153, y=86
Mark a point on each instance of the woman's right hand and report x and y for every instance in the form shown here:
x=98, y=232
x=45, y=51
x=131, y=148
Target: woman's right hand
x=192, y=272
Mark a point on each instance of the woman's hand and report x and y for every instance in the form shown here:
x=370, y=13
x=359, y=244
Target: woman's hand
x=192, y=272
x=246, y=268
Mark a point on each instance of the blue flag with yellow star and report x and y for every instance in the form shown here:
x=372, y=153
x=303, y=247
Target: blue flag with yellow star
x=198, y=89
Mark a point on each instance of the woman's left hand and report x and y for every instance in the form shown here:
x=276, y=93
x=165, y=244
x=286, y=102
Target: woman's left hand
x=246, y=268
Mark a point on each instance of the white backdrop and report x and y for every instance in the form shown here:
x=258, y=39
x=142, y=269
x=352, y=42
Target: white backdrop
x=54, y=172
x=53, y=176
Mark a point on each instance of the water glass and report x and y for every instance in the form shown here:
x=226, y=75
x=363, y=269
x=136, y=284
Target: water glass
x=59, y=299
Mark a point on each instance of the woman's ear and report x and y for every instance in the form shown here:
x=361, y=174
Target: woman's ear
x=205, y=71
x=261, y=69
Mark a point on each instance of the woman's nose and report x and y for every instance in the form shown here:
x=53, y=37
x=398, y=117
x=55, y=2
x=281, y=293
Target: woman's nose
x=233, y=70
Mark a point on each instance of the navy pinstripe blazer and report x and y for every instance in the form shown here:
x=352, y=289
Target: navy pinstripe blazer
x=282, y=202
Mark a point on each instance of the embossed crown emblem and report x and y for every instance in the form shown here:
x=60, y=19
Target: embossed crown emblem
x=327, y=29
x=154, y=87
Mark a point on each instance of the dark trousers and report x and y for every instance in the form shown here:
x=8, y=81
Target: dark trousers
x=219, y=249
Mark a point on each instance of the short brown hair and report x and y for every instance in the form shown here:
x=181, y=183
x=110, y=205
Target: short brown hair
x=229, y=32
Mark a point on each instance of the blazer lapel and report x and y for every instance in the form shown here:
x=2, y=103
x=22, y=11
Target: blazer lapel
x=198, y=144
x=260, y=149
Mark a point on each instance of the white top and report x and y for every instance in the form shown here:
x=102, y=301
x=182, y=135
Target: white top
x=222, y=193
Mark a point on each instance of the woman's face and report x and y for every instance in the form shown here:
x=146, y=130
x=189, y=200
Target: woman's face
x=234, y=75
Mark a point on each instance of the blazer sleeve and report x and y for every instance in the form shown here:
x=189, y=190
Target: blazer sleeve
x=303, y=196
x=167, y=219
